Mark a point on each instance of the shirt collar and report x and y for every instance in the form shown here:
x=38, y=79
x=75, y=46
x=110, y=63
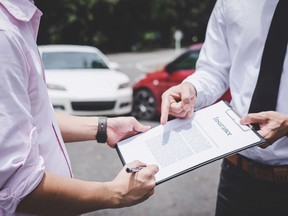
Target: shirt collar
x=21, y=9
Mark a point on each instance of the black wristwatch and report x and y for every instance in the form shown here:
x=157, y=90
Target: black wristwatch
x=101, y=135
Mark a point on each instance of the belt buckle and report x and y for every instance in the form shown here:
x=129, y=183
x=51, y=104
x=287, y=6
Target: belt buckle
x=280, y=174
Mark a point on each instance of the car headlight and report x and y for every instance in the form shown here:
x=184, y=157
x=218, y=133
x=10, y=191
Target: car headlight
x=56, y=87
x=124, y=85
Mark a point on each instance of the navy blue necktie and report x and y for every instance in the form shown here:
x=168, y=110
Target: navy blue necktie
x=266, y=91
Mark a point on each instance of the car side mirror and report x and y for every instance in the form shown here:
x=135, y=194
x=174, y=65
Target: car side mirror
x=170, y=68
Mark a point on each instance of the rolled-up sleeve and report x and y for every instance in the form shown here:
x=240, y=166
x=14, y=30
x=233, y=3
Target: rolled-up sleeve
x=21, y=166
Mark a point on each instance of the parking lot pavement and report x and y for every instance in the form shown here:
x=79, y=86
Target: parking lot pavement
x=193, y=193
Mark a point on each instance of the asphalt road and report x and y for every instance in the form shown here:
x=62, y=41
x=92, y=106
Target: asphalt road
x=192, y=194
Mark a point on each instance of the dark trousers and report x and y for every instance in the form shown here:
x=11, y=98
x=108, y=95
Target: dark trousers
x=239, y=194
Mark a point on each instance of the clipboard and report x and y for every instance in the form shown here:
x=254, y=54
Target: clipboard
x=183, y=145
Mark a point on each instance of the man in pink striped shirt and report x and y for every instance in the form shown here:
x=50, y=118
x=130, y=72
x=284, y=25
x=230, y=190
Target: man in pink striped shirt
x=35, y=172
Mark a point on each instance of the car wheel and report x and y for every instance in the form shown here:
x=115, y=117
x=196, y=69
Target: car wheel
x=144, y=105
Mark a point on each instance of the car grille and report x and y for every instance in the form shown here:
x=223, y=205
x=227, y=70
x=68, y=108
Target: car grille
x=93, y=106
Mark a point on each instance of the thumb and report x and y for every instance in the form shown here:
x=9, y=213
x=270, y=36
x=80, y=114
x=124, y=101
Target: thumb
x=250, y=119
x=245, y=120
x=141, y=127
x=188, y=92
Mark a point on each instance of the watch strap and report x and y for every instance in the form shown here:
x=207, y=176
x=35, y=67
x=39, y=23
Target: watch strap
x=101, y=135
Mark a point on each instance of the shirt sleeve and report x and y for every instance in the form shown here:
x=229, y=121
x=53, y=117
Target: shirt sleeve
x=211, y=78
x=21, y=166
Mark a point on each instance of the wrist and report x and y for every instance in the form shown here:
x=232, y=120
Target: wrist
x=113, y=195
x=102, y=195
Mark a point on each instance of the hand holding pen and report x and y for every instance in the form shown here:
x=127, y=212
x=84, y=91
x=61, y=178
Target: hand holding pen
x=135, y=183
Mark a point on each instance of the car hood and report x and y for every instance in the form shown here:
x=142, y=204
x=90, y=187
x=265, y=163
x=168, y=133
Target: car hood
x=88, y=82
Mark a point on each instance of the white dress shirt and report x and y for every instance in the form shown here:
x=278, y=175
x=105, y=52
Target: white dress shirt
x=30, y=139
x=231, y=57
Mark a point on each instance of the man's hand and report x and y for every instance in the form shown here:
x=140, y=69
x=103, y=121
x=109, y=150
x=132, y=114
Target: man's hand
x=59, y=195
x=273, y=125
x=132, y=188
x=178, y=101
x=119, y=128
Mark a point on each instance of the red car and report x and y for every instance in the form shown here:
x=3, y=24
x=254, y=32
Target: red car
x=147, y=92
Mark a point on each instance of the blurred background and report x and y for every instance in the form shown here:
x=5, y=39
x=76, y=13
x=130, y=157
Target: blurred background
x=123, y=25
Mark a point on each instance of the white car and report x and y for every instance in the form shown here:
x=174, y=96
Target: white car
x=82, y=81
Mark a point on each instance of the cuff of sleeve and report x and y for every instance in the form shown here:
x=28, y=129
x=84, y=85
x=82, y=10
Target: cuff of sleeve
x=24, y=180
x=200, y=92
x=11, y=196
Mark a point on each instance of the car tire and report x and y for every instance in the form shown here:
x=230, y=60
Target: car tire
x=144, y=105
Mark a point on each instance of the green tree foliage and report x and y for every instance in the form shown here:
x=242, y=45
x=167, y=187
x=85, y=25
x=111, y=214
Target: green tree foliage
x=123, y=25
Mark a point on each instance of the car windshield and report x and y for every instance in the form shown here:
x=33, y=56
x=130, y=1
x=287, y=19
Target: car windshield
x=187, y=61
x=72, y=60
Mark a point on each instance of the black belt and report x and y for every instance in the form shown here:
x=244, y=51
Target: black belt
x=276, y=174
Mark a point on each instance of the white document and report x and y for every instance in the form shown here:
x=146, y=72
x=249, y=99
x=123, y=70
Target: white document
x=183, y=145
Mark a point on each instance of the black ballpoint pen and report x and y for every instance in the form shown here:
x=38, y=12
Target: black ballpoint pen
x=134, y=169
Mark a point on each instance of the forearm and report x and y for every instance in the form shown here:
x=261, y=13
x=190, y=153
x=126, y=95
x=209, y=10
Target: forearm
x=76, y=128
x=57, y=195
